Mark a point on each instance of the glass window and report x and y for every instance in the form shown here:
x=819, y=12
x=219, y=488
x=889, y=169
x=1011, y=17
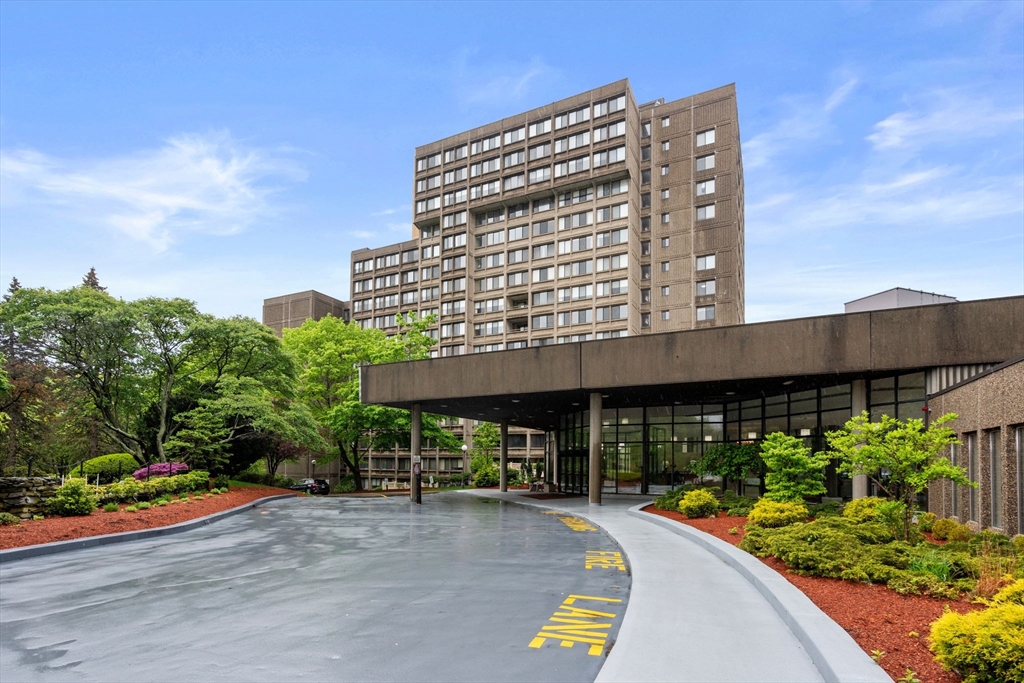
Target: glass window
x=706, y=163
x=705, y=313
x=706, y=262
x=706, y=137
x=706, y=187
x=665, y=121
x=705, y=288
x=705, y=212
x=995, y=449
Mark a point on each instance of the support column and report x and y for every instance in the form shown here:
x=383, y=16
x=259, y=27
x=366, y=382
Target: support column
x=596, y=407
x=858, y=404
x=415, y=476
x=503, y=457
x=551, y=468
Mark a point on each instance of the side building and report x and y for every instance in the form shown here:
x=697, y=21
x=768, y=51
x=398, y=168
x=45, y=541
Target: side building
x=291, y=310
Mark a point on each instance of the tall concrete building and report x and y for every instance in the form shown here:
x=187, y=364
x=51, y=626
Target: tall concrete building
x=589, y=218
x=291, y=310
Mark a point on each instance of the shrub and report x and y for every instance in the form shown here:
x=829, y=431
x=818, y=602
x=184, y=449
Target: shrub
x=892, y=513
x=71, y=499
x=829, y=509
x=131, y=508
x=7, y=519
x=793, y=472
x=38, y=518
x=111, y=507
x=699, y=503
x=934, y=563
x=771, y=515
x=347, y=484
x=221, y=481
x=961, y=533
x=487, y=476
x=941, y=528
x=986, y=645
x=1018, y=544
x=863, y=509
x=160, y=469
x=735, y=505
x=265, y=479
x=143, y=506
x=670, y=499
x=925, y=521
x=110, y=467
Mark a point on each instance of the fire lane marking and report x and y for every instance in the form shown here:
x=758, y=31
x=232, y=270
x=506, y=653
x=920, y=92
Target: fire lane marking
x=604, y=559
x=571, y=625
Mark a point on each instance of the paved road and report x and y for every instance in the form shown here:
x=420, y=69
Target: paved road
x=336, y=589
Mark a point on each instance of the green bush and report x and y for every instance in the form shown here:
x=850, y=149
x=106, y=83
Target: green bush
x=771, y=515
x=221, y=481
x=699, y=503
x=735, y=505
x=109, y=467
x=7, y=519
x=925, y=521
x=131, y=508
x=987, y=645
x=941, y=528
x=487, y=476
x=1018, y=544
x=143, y=506
x=111, y=507
x=863, y=509
x=830, y=509
x=347, y=484
x=669, y=500
x=71, y=499
x=275, y=480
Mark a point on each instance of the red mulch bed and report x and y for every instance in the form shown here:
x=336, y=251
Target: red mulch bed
x=876, y=617
x=33, y=532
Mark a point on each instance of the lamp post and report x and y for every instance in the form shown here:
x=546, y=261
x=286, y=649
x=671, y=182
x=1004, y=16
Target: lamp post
x=465, y=465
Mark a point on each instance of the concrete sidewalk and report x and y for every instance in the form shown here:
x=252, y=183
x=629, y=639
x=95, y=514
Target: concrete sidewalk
x=694, y=617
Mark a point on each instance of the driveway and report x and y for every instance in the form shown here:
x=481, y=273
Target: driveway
x=335, y=589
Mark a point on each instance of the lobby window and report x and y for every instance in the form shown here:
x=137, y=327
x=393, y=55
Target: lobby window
x=706, y=187
x=645, y=177
x=995, y=450
x=706, y=163
x=645, y=320
x=665, y=266
x=705, y=212
x=706, y=137
x=665, y=146
x=665, y=218
x=664, y=241
x=705, y=288
x=664, y=315
x=705, y=313
x=706, y=262
x=665, y=122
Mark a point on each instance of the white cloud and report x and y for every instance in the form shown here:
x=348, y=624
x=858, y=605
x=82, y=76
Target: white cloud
x=945, y=116
x=193, y=184
x=390, y=212
x=496, y=84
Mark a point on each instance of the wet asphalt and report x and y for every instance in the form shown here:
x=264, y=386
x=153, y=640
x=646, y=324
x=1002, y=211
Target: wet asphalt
x=323, y=589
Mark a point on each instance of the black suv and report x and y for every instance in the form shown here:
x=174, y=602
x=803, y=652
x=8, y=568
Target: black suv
x=312, y=486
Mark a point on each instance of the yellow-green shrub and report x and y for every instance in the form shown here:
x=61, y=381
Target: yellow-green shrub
x=863, y=509
x=942, y=527
x=926, y=520
x=768, y=514
x=987, y=645
x=699, y=503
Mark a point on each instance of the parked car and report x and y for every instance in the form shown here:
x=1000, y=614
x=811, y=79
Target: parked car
x=312, y=486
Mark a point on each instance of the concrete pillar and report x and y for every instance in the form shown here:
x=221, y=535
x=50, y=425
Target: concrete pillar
x=596, y=407
x=859, y=403
x=503, y=457
x=551, y=468
x=414, y=450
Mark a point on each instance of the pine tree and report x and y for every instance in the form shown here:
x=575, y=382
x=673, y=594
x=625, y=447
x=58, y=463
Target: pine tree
x=92, y=281
x=14, y=287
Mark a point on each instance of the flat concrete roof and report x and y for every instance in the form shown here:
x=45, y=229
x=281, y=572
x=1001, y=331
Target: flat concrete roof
x=532, y=387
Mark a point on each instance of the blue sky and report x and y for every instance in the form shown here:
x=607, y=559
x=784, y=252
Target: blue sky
x=231, y=152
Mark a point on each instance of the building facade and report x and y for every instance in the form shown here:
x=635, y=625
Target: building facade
x=589, y=218
x=291, y=310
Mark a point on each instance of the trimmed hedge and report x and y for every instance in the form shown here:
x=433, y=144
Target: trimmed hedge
x=110, y=467
x=699, y=503
x=863, y=509
x=769, y=514
x=74, y=498
x=130, y=489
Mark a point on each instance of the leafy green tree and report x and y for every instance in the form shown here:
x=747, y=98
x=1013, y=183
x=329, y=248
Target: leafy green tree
x=902, y=458
x=486, y=437
x=329, y=353
x=729, y=461
x=793, y=472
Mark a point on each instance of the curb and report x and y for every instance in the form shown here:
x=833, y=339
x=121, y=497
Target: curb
x=833, y=651
x=28, y=551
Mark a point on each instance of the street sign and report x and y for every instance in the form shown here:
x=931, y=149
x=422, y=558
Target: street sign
x=416, y=468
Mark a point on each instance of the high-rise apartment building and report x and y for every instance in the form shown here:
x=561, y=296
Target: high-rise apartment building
x=589, y=218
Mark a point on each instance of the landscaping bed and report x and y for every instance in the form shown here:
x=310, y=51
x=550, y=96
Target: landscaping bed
x=878, y=619
x=98, y=523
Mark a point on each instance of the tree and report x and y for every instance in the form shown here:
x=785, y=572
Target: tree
x=729, y=461
x=902, y=458
x=793, y=473
x=329, y=353
x=486, y=437
x=92, y=281
x=12, y=288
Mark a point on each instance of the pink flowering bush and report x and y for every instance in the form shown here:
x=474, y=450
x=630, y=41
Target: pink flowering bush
x=160, y=469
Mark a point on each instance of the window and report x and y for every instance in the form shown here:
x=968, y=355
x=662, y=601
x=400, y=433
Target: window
x=543, y=228
x=484, y=190
x=408, y=297
x=705, y=212
x=572, y=118
x=543, y=274
x=645, y=320
x=609, y=106
x=429, y=293
x=664, y=315
x=705, y=313
x=428, y=162
x=706, y=262
x=409, y=256
x=386, y=281
x=645, y=248
x=429, y=273
x=485, y=145
x=385, y=301
x=453, y=241
x=645, y=153
x=706, y=137
x=362, y=266
x=645, y=224
x=664, y=242
x=706, y=163
x=575, y=293
x=544, y=250
x=665, y=266
x=490, y=261
x=613, y=188
x=580, y=317
x=665, y=218
x=972, y=475
x=514, y=136
x=540, y=127
x=542, y=298
x=645, y=130
x=706, y=187
x=451, y=155
x=453, y=350
x=429, y=204
x=645, y=176
x=489, y=306
x=606, y=263
x=664, y=146
x=575, y=268
x=409, y=277
x=540, y=151
x=612, y=334
x=453, y=330
x=572, y=142
x=452, y=220
x=515, y=158
x=428, y=183
x=488, y=239
x=645, y=200
x=576, y=220
x=610, y=213
x=384, y=321
x=515, y=182
x=431, y=251
x=576, y=196
x=664, y=291
x=612, y=312
x=664, y=194
x=610, y=156
x=454, y=307
x=665, y=121
x=645, y=296
x=645, y=272
x=613, y=130
x=482, y=167
x=362, y=305
x=576, y=244
x=545, y=204
x=520, y=232
x=454, y=285
x=542, y=322
x=488, y=329
x=457, y=197
x=484, y=348
x=539, y=175
x=613, y=287
x=572, y=166
x=488, y=217
x=995, y=451
x=619, y=236
x=705, y=288
x=518, y=256
x=546, y=341
x=664, y=169
x=487, y=284
x=518, y=210
x=455, y=176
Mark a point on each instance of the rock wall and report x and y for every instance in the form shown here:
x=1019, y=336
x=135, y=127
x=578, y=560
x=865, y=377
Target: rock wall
x=26, y=496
